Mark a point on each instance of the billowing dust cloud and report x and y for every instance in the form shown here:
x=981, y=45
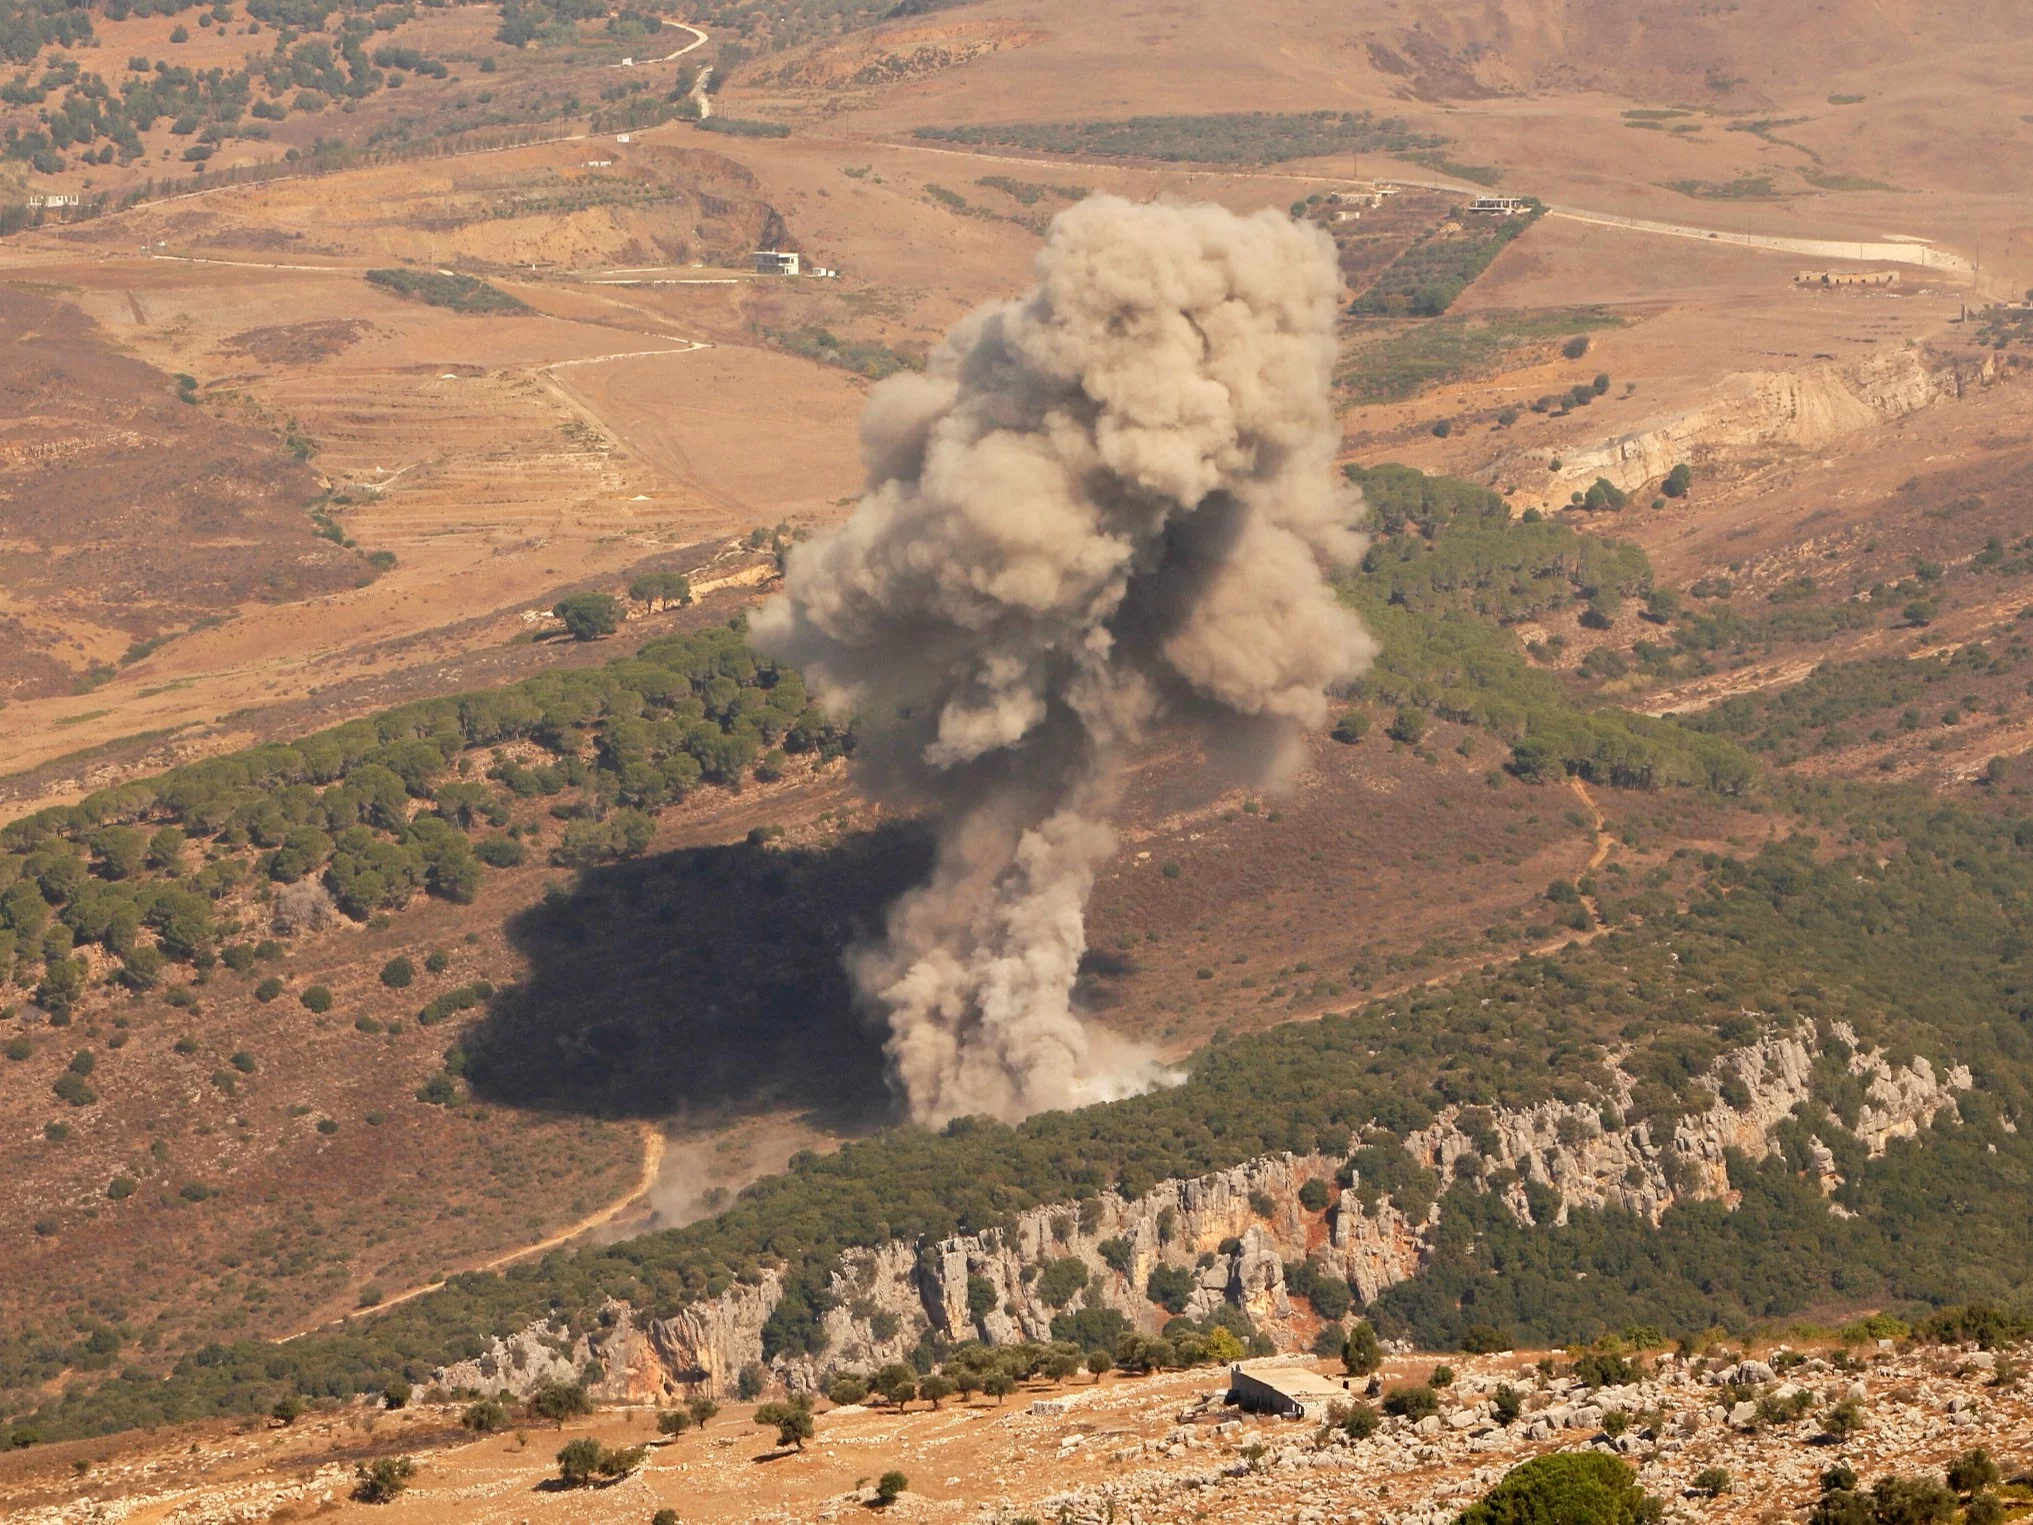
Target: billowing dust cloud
x=1102, y=507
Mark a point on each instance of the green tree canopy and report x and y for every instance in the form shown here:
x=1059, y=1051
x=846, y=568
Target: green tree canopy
x=588, y=616
x=1567, y=1488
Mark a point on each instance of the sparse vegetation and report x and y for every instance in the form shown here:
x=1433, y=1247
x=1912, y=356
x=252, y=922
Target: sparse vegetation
x=588, y=616
x=1412, y=1402
x=1712, y=1482
x=1746, y=187
x=1424, y=281
x=1433, y=158
x=558, y=1401
x=460, y=293
x=744, y=127
x=1241, y=138
x=792, y=1420
x=864, y=358
x=662, y=590
x=1029, y=192
x=1405, y=360
x=1362, y=1353
x=1891, y=1500
x=579, y=1461
x=383, y=1480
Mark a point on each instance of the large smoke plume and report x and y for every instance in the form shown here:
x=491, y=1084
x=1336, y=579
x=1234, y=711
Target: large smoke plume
x=1101, y=506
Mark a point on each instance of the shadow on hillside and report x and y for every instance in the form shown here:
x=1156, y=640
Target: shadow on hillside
x=706, y=980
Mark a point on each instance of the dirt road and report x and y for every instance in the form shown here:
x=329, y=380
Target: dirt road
x=652, y=1162
x=1899, y=252
x=698, y=41
x=1888, y=251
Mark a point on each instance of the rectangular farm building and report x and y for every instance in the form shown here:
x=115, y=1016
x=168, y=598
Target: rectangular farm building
x=1290, y=1392
x=1847, y=278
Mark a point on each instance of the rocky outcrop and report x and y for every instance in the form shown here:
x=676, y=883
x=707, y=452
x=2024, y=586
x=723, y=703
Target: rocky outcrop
x=541, y=1352
x=1567, y=1146
x=1207, y=1224
x=1808, y=408
x=1900, y=1102
x=991, y=1285
x=1374, y=1251
x=1234, y=1231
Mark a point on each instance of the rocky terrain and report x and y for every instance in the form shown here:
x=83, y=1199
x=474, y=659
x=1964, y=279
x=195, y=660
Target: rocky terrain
x=1237, y=1230
x=1687, y=1418
x=1148, y=1450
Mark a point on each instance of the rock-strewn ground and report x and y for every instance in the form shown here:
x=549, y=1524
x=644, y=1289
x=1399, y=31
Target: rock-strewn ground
x=1132, y=1451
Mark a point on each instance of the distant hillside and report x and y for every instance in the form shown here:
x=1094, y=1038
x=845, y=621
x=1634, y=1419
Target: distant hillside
x=1901, y=925
x=123, y=495
x=1446, y=49
x=1871, y=946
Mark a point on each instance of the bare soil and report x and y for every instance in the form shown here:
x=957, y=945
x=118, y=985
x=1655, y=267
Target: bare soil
x=127, y=513
x=1153, y=1445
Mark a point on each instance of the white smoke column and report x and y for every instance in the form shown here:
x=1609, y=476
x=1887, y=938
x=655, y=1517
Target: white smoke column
x=1103, y=505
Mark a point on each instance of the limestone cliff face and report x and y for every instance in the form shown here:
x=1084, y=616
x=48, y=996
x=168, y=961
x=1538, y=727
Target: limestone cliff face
x=1233, y=1231
x=886, y=1299
x=1808, y=408
x=1374, y=1251
x=541, y=1352
x=1899, y=1103
x=1566, y=1146
x=705, y=1347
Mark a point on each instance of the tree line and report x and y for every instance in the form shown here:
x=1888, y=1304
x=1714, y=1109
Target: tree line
x=1908, y=921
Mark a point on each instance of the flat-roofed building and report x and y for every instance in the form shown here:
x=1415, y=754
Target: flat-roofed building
x=1291, y=1392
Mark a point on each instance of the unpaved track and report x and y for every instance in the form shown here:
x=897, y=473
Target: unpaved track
x=698, y=41
x=652, y=1162
x=1903, y=253
x=1896, y=252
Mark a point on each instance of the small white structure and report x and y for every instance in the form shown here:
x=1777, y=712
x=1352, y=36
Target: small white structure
x=1290, y=1392
x=1500, y=206
x=55, y=199
x=776, y=262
